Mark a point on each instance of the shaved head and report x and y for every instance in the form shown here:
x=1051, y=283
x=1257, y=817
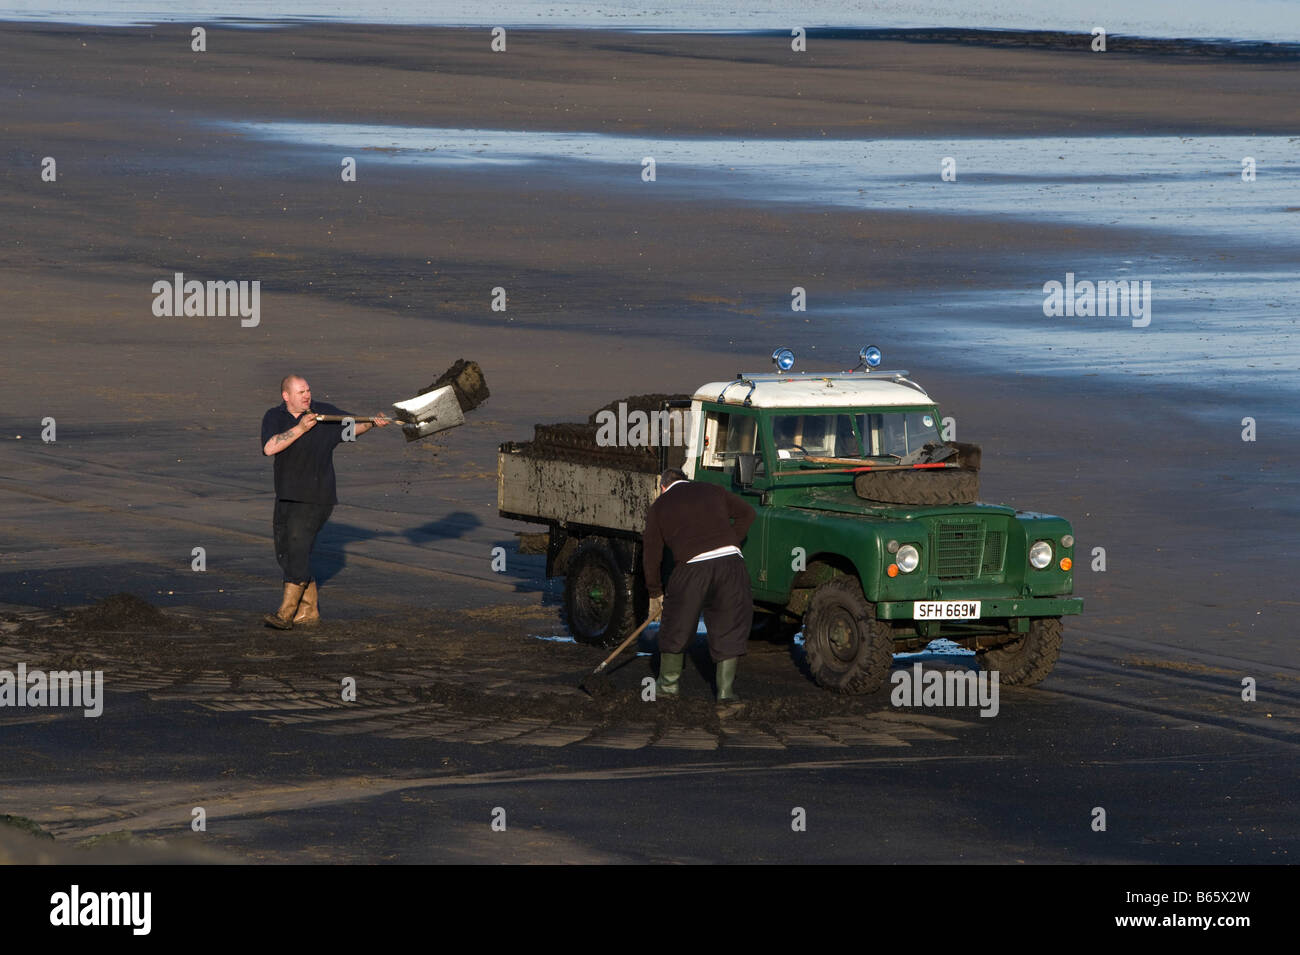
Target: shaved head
x=296, y=393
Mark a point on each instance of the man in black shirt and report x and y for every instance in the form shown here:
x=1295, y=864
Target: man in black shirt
x=303, y=448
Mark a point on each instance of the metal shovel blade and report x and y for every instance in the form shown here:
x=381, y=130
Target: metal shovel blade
x=429, y=413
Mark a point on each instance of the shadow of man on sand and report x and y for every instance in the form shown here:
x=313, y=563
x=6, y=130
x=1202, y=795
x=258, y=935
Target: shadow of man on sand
x=329, y=556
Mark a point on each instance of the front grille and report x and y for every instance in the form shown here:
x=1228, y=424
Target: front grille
x=992, y=553
x=958, y=550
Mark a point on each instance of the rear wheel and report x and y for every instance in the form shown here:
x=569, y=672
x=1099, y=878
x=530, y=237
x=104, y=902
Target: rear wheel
x=599, y=598
x=1028, y=660
x=849, y=650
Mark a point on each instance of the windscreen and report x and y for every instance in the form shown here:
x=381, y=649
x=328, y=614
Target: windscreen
x=856, y=435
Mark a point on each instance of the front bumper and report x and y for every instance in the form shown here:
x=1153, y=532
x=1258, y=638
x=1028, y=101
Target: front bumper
x=997, y=608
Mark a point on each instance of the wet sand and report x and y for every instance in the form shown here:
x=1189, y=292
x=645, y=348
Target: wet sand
x=613, y=82
x=372, y=288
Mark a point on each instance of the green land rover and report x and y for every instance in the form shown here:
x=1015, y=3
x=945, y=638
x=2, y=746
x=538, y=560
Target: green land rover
x=869, y=537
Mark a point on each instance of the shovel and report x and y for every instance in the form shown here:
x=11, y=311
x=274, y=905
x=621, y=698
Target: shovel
x=420, y=416
x=596, y=683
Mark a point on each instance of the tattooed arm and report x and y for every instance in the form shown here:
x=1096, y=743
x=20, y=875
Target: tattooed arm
x=282, y=440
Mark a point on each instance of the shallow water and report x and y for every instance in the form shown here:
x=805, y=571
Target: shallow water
x=1269, y=20
x=1216, y=333
x=1188, y=184
x=1223, y=318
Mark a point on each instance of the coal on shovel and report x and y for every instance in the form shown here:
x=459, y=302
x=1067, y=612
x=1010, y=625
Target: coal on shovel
x=440, y=407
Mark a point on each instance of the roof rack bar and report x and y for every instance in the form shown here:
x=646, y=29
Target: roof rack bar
x=738, y=380
x=753, y=379
x=817, y=376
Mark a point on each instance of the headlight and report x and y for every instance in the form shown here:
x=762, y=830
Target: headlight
x=1040, y=555
x=908, y=557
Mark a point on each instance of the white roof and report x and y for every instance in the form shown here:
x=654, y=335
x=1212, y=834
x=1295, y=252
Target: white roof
x=816, y=391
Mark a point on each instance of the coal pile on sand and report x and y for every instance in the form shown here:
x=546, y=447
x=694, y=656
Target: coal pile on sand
x=121, y=612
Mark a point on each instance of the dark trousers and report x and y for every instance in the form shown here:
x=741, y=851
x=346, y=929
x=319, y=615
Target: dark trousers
x=296, y=526
x=718, y=590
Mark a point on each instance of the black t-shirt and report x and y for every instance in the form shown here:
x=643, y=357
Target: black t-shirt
x=304, y=471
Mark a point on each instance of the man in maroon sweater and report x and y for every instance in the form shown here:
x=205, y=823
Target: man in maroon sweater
x=695, y=521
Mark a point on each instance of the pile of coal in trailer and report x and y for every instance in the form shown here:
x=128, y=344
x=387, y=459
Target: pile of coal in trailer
x=624, y=434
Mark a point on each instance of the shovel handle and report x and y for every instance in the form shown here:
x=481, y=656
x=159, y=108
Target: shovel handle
x=625, y=644
x=360, y=419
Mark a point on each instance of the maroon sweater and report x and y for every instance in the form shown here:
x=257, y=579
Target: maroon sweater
x=690, y=518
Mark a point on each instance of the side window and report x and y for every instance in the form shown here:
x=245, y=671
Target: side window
x=725, y=436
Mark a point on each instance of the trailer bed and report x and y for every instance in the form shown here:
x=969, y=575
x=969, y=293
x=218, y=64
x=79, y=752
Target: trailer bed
x=568, y=493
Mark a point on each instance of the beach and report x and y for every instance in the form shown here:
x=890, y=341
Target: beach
x=171, y=161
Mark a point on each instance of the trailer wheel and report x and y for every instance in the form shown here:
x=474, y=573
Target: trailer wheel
x=849, y=650
x=599, y=599
x=1029, y=660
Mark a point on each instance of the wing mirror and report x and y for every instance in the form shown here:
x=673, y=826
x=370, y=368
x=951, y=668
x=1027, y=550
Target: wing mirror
x=745, y=465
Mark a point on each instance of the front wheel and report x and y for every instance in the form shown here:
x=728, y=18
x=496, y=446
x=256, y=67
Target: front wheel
x=1030, y=659
x=849, y=650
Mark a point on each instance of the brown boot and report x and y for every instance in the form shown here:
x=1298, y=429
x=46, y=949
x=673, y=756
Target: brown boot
x=308, y=614
x=282, y=619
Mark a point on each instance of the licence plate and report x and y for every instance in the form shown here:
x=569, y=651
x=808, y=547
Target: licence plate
x=946, y=609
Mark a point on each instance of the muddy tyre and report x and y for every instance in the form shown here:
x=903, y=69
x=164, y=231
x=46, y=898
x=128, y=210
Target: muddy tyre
x=599, y=598
x=1030, y=659
x=849, y=650
x=927, y=487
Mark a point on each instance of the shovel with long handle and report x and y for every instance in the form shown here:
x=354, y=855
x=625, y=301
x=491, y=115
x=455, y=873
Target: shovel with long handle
x=418, y=417
x=591, y=677
x=439, y=408
x=413, y=430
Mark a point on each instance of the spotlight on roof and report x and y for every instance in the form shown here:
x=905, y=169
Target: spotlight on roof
x=869, y=356
x=783, y=358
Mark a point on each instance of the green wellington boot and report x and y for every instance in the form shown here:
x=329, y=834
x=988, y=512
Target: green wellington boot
x=670, y=674
x=728, y=703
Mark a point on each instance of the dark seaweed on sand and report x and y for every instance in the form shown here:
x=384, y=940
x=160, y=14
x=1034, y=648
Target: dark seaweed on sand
x=120, y=612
